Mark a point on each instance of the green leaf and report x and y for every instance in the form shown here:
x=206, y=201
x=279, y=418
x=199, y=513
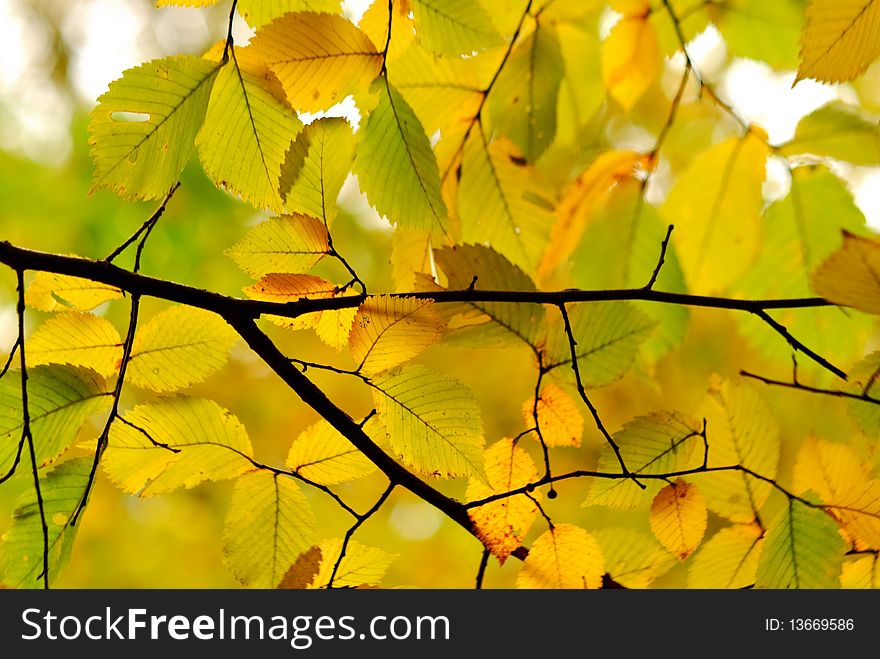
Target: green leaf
x=260, y=12
x=715, y=206
x=607, y=336
x=291, y=243
x=865, y=379
x=393, y=148
x=269, y=524
x=803, y=549
x=729, y=559
x=487, y=322
x=630, y=232
x=836, y=131
x=246, y=134
x=321, y=454
x=432, y=421
x=175, y=442
x=657, y=443
x=316, y=167
x=60, y=399
x=760, y=30
x=632, y=558
x=79, y=339
x=502, y=201
x=453, y=27
x=523, y=101
x=851, y=275
x=318, y=58
x=179, y=347
x=800, y=232
x=581, y=91
x=143, y=130
x=741, y=431
x=22, y=549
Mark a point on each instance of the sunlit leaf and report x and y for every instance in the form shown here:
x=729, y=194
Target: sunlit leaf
x=61, y=490
x=143, y=130
x=321, y=454
x=393, y=146
x=864, y=572
x=453, y=27
x=173, y=443
x=259, y=12
x=837, y=131
x=802, y=549
x=559, y=416
x=729, y=559
x=334, y=327
x=565, y=556
x=291, y=243
x=840, y=40
x=319, y=58
x=360, y=566
x=632, y=558
x=432, y=421
x=851, y=275
x=80, y=339
x=678, y=518
x=269, y=523
x=388, y=331
x=282, y=287
x=178, y=347
x=60, y=400
x=502, y=525
x=864, y=379
x=51, y=292
x=630, y=59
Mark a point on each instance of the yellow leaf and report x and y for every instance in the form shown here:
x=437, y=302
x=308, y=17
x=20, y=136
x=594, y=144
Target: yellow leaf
x=260, y=12
x=374, y=23
x=503, y=524
x=559, y=416
x=630, y=59
x=851, y=276
x=360, y=566
x=565, y=556
x=80, y=339
x=388, y=331
x=840, y=40
x=51, y=292
x=741, y=430
x=179, y=347
x=861, y=573
x=580, y=202
x=715, y=206
x=729, y=559
x=291, y=243
x=678, y=518
x=283, y=287
x=334, y=327
x=323, y=455
x=175, y=442
x=319, y=58
x=410, y=254
x=268, y=525
x=632, y=558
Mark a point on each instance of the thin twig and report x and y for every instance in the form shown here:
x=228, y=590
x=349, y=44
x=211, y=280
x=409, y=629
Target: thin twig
x=661, y=260
x=481, y=571
x=146, y=226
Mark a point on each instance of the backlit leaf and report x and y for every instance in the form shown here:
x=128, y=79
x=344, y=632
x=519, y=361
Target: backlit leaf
x=334, y=327
x=323, y=455
x=657, y=443
x=678, y=518
x=179, y=347
x=865, y=379
x=51, y=292
x=715, y=206
x=173, y=443
x=22, y=549
x=802, y=549
x=319, y=58
x=259, y=12
x=432, y=421
x=282, y=287
x=559, y=416
x=840, y=40
x=837, y=131
x=80, y=339
x=269, y=523
x=453, y=27
x=503, y=524
x=729, y=559
x=851, y=275
x=632, y=558
x=60, y=400
x=291, y=243
x=565, y=556
x=361, y=565
x=143, y=130
x=864, y=572
x=393, y=147
x=388, y=331
x=631, y=59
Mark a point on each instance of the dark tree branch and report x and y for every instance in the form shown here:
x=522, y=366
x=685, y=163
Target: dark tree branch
x=146, y=226
x=481, y=571
x=836, y=393
x=661, y=260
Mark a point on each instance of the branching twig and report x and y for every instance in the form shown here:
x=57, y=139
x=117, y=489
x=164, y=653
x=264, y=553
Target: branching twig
x=660, y=261
x=146, y=226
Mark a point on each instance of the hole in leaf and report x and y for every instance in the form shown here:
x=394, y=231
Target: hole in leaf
x=132, y=117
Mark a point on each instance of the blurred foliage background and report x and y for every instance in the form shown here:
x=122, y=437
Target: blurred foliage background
x=57, y=56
